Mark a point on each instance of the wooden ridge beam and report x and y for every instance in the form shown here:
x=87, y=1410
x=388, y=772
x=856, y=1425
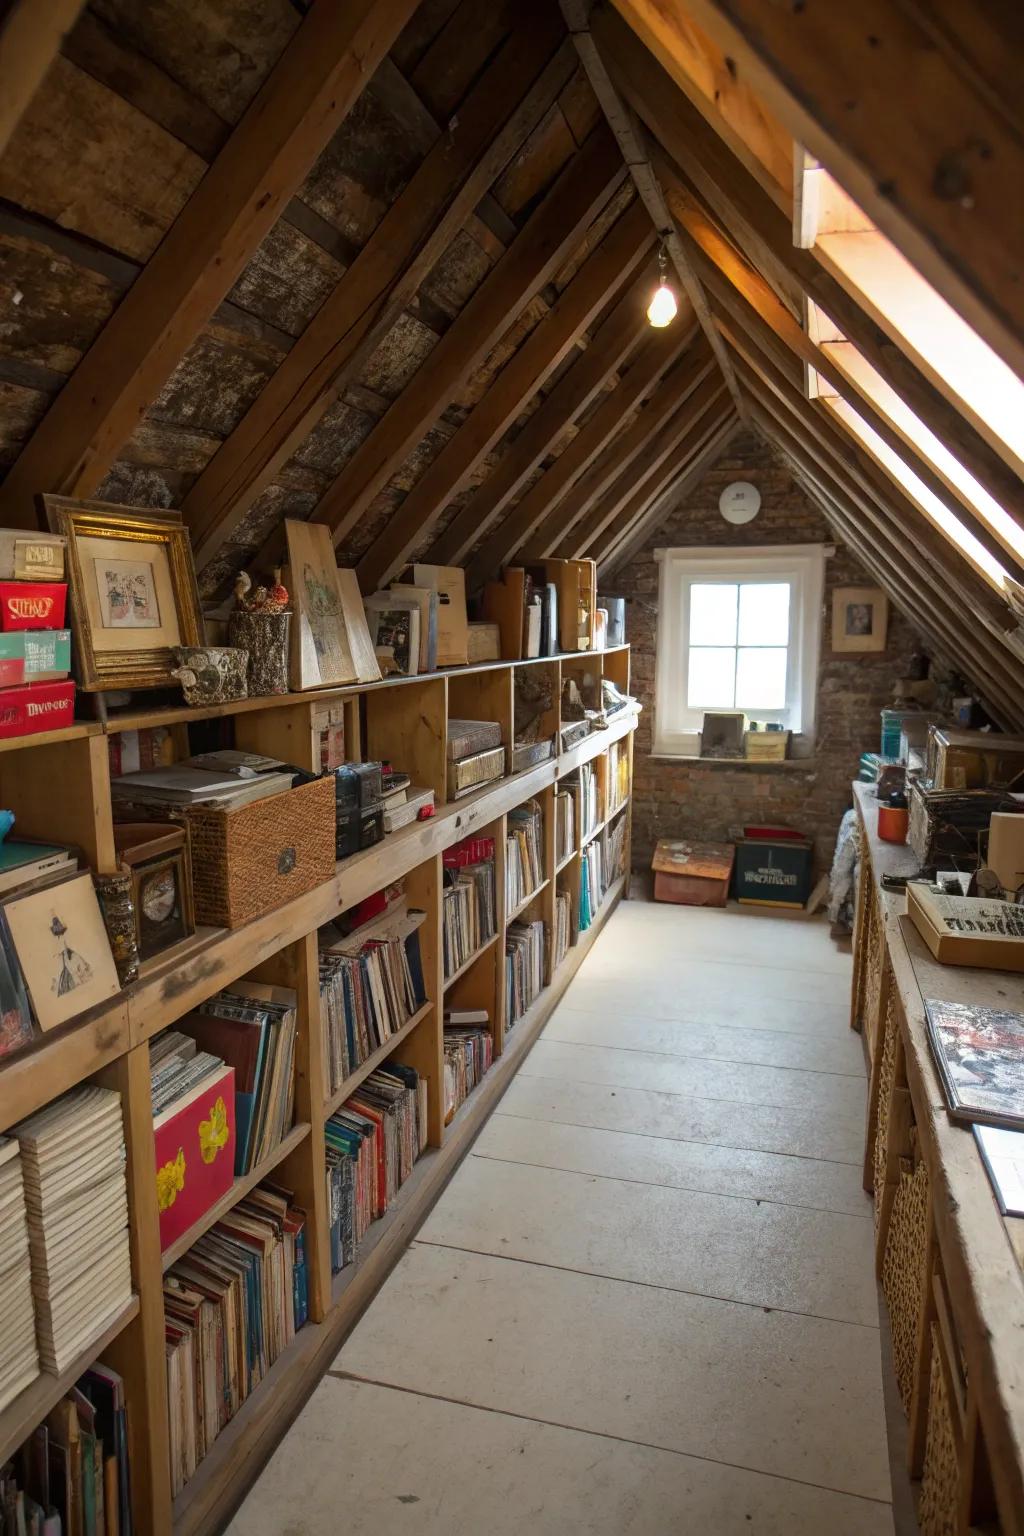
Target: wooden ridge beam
x=696, y=368
x=307, y=95
x=553, y=231
x=703, y=423
x=629, y=134
x=746, y=294
x=930, y=158
x=616, y=257
x=629, y=546
x=690, y=406
x=763, y=232
x=30, y=37
x=659, y=351
x=497, y=115
x=580, y=385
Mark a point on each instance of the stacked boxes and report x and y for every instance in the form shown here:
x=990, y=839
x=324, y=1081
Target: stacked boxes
x=35, y=648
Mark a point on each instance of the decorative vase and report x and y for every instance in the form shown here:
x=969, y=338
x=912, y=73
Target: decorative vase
x=211, y=674
x=265, y=637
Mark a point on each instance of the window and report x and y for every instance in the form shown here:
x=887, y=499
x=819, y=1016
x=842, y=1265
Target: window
x=737, y=629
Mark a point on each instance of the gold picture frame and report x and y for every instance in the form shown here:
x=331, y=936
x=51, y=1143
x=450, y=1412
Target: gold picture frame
x=860, y=619
x=132, y=591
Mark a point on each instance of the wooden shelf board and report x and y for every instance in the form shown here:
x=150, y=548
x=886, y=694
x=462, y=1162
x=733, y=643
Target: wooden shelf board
x=510, y=917
x=362, y=1072
x=56, y=1061
x=474, y=957
x=29, y=1408
x=589, y=836
x=239, y=1189
x=75, y=732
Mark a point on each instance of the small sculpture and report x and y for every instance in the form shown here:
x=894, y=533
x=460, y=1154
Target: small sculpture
x=263, y=599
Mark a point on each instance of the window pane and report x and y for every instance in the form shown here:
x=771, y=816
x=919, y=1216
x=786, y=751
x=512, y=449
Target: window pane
x=711, y=684
x=712, y=613
x=764, y=613
x=761, y=679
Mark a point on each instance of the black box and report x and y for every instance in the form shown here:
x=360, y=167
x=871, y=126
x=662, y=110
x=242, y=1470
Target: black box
x=772, y=872
x=358, y=784
x=358, y=829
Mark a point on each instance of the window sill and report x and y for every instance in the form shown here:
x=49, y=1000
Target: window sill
x=786, y=764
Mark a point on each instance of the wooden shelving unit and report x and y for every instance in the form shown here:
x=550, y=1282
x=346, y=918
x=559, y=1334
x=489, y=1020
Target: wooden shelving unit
x=406, y=721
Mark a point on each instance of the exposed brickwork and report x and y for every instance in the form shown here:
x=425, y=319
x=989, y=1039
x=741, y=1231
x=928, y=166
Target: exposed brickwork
x=714, y=801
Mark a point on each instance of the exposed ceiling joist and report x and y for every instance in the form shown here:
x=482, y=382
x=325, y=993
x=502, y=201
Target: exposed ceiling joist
x=30, y=35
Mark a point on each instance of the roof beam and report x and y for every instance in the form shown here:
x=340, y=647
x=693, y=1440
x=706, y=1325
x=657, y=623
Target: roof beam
x=549, y=343
x=307, y=95
x=507, y=102
x=30, y=37
x=630, y=137
x=905, y=131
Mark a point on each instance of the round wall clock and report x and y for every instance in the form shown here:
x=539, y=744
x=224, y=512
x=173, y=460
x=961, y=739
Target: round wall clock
x=739, y=502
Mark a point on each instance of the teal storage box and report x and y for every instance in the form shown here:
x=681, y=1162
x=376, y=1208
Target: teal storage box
x=34, y=656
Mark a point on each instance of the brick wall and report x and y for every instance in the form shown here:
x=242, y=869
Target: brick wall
x=677, y=798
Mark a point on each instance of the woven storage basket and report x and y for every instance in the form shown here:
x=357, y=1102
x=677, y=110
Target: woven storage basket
x=248, y=861
x=938, y=1506
x=904, y=1271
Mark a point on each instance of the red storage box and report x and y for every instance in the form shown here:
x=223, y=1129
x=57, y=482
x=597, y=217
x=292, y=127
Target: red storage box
x=195, y=1154
x=36, y=707
x=32, y=604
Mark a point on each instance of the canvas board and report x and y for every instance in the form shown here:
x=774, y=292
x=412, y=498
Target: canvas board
x=320, y=653
x=62, y=948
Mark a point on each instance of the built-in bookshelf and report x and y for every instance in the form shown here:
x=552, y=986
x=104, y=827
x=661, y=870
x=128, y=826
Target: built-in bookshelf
x=406, y=722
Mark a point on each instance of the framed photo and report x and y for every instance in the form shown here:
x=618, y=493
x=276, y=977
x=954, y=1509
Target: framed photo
x=329, y=637
x=133, y=591
x=860, y=618
x=59, y=938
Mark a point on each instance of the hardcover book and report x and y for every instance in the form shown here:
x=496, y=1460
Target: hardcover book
x=979, y=1054
x=467, y=737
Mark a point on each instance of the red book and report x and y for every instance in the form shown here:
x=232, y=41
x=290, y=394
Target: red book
x=32, y=604
x=36, y=707
x=195, y=1153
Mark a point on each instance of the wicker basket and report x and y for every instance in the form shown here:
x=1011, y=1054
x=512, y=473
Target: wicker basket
x=905, y=1271
x=248, y=861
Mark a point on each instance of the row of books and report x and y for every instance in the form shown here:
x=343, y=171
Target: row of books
x=618, y=775
x=468, y=1053
x=469, y=913
x=563, y=928
x=19, y=1355
x=370, y=984
x=524, y=968
x=232, y=1303
x=71, y=1475
x=590, y=812
x=592, y=885
x=373, y=1142
x=524, y=853
x=565, y=824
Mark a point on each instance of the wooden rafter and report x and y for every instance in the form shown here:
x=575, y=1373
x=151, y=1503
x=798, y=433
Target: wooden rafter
x=30, y=35
x=904, y=129
x=659, y=351
x=629, y=134
x=500, y=111
x=557, y=226
x=625, y=245
x=310, y=91
x=592, y=371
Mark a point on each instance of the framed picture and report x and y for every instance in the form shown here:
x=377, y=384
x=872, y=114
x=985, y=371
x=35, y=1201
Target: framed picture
x=860, y=618
x=60, y=941
x=329, y=638
x=132, y=590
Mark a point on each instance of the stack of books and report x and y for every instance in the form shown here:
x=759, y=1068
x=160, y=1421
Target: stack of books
x=468, y=1053
x=468, y=902
x=251, y=1027
x=373, y=1142
x=524, y=968
x=404, y=802
x=35, y=647
x=71, y=1474
x=72, y=1158
x=524, y=853
x=232, y=1303
x=370, y=983
x=476, y=755
x=563, y=927
x=226, y=779
x=618, y=775
x=19, y=1358
x=565, y=824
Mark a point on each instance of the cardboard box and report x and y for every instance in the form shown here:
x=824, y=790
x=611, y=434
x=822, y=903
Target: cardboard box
x=32, y=604
x=36, y=707
x=26, y=556
x=34, y=656
x=692, y=874
x=773, y=872
x=195, y=1154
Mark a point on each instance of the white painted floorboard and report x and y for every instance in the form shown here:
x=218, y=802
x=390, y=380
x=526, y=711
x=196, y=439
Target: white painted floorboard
x=645, y=1304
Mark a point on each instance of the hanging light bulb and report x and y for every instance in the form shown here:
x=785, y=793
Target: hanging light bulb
x=661, y=311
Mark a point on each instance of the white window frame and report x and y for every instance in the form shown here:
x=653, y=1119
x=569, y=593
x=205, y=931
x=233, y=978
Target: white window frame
x=676, y=727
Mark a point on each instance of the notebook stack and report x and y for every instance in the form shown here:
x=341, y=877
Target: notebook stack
x=524, y=854
x=468, y=1053
x=563, y=927
x=71, y=1474
x=373, y=1142
x=19, y=1358
x=469, y=913
x=565, y=824
x=227, y=779
x=370, y=984
x=73, y=1156
x=524, y=968
x=232, y=1303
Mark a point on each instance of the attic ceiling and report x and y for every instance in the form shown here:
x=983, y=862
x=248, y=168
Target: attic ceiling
x=385, y=265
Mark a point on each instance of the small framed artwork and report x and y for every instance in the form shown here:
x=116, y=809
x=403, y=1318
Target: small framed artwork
x=132, y=588
x=59, y=938
x=860, y=619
